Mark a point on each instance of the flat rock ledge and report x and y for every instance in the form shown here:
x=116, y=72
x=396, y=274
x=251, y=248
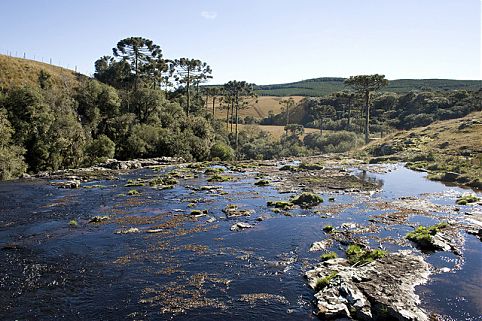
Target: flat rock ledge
x=381, y=290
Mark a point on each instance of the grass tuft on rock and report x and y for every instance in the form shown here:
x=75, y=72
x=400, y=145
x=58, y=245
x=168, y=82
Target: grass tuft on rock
x=358, y=255
x=328, y=256
x=133, y=192
x=219, y=178
x=323, y=282
x=467, y=199
x=262, y=182
x=423, y=235
x=307, y=199
x=284, y=205
x=328, y=228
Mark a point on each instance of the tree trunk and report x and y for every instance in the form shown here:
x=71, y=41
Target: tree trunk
x=367, y=117
x=349, y=112
x=237, y=120
x=137, y=72
x=227, y=118
x=232, y=115
x=188, y=92
x=214, y=101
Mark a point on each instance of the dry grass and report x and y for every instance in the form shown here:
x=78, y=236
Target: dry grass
x=276, y=131
x=258, y=109
x=18, y=72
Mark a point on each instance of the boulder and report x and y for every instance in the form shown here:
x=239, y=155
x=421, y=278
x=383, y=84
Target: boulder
x=383, y=289
x=240, y=226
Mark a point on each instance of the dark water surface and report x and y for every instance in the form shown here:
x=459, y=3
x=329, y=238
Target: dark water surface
x=197, y=268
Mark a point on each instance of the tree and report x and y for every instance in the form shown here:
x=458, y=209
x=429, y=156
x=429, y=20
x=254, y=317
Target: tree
x=287, y=104
x=347, y=99
x=12, y=164
x=100, y=149
x=365, y=84
x=213, y=92
x=115, y=73
x=189, y=72
x=240, y=94
x=321, y=112
x=145, y=102
x=143, y=56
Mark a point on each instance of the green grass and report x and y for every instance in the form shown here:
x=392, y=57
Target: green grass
x=328, y=228
x=357, y=255
x=284, y=205
x=133, y=192
x=467, y=199
x=321, y=283
x=219, y=178
x=328, y=256
x=422, y=235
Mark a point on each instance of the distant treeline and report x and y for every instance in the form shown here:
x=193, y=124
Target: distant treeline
x=325, y=86
x=344, y=110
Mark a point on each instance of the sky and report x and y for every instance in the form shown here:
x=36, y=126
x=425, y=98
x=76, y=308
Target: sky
x=259, y=41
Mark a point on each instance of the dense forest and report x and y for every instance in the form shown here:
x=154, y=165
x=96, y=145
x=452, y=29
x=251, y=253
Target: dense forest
x=140, y=104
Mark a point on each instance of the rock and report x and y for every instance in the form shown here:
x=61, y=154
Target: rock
x=157, y=230
x=450, y=176
x=232, y=211
x=321, y=246
x=98, y=219
x=127, y=231
x=383, y=289
x=240, y=226
x=25, y=175
x=67, y=184
x=307, y=199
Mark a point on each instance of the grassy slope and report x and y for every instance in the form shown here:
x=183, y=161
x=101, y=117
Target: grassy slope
x=276, y=131
x=324, y=86
x=445, y=146
x=18, y=72
x=258, y=110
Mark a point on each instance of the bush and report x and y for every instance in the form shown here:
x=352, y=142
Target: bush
x=222, y=151
x=337, y=142
x=100, y=149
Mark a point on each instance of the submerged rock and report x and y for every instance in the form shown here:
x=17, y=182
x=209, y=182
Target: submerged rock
x=67, y=184
x=98, y=219
x=240, y=226
x=321, y=245
x=232, y=210
x=381, y=290
x=128, y=231
x=307, y=199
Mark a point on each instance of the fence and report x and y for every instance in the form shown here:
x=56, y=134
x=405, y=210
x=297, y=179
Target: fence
x=38, y=58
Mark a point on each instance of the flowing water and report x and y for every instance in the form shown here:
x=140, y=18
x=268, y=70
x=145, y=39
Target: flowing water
x=196, y=268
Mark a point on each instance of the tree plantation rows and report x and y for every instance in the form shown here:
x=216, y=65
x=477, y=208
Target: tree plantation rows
x=141, y=105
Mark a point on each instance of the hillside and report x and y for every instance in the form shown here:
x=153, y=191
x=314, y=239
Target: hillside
x=18, y=72
x=325, y=86
x=257, y=109
x=449, y=150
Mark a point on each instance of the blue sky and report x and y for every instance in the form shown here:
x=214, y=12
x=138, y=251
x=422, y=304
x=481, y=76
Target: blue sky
x=262, y=41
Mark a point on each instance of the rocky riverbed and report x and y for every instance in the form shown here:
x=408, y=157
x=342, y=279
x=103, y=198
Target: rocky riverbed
x=326, y=237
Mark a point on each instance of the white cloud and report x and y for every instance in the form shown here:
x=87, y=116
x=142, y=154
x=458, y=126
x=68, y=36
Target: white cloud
x=210, y=15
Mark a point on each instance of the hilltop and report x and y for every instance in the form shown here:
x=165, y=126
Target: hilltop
x=18, y=72
x=328, y=85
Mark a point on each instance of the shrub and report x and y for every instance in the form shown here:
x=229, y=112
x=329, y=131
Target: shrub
x=100, y=149
x=222, y=151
